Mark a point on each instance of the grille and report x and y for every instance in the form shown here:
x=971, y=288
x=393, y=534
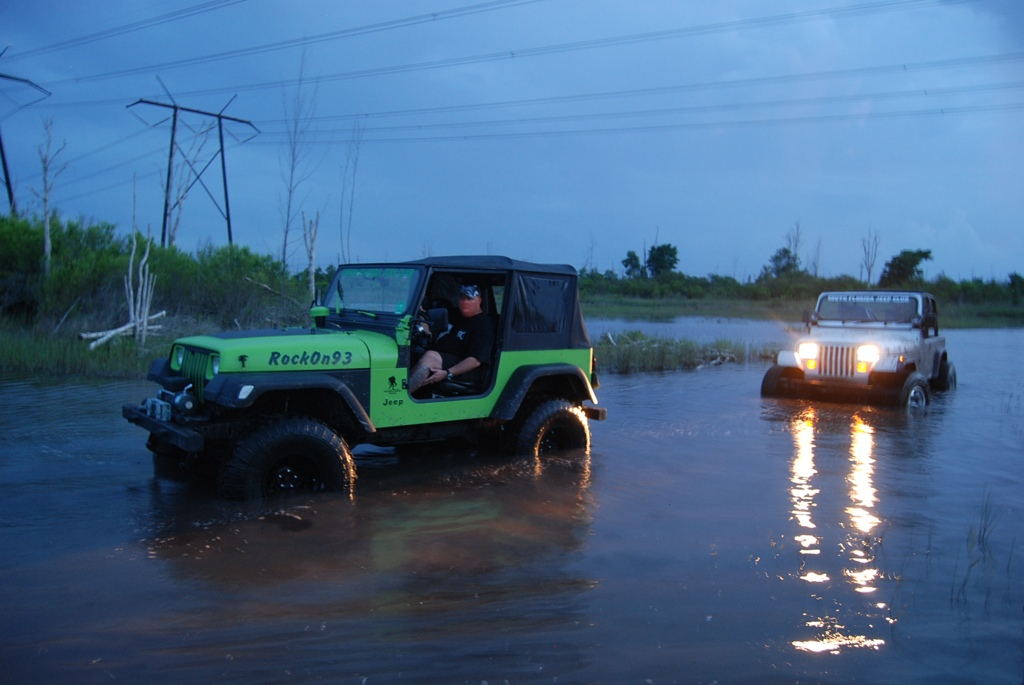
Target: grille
x=194, y=367
x=838, y=360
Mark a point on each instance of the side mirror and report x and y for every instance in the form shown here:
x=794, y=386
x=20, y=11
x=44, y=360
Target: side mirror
x=809, y=318
x=318, y=314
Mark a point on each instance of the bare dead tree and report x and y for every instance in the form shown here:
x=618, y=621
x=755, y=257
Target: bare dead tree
x=814, y=263
x=348, y=190
x=140, y=301
x=51, y=170
x=793, y=239
x=309, y=231
x=139, y=296
x=296, y=167
x=870, y=245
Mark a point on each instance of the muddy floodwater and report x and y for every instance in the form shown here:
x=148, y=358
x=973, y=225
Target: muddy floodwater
x=711, y=537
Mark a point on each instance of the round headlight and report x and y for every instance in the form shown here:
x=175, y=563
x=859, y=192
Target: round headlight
x=807, y=350
x=868, y=353
x=215, y=365
x=179, y=355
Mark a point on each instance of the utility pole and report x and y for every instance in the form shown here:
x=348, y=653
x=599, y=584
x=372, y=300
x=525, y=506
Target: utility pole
x=3, y=155
x=176, y=110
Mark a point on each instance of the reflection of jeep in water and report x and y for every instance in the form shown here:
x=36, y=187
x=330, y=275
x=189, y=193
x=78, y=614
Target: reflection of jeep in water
x=277, y=410
x=872, y=345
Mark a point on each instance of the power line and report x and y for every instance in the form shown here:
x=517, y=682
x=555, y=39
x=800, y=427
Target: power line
x=931, y=93
x=818, y=118
x=879, y=6
x=706, y=85
x=431, y=17
x=127, y=28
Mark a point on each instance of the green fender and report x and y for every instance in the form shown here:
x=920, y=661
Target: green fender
x=524, y=378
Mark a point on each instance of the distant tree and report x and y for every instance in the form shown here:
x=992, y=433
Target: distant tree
x=793, y=239
x=904, y=268
x=51, y=170
x=295, y=163
x=783, y=263
x=632, y=265
x=309, y=230
x=662, y=259
x=870, y=245
x=814, y=263
x=1016, y=288
x=348, y=191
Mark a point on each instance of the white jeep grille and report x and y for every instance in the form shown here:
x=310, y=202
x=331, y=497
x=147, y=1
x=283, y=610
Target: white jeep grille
x=837, y=360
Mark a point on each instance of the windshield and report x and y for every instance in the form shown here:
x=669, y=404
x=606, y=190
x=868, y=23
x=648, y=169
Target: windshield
x=377, y=290
x=889, y=307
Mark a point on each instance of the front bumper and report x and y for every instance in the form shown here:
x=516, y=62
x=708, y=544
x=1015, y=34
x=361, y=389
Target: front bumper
x=837, y=389
x=167, y=431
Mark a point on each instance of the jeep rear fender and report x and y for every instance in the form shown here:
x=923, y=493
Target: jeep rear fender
x=565, y=379
x=245, y=390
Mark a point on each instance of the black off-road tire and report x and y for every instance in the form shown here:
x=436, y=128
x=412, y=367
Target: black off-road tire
x=770, y=386
x=290, y=456
x=946, y=380
x=554, y=426
x=914, y=393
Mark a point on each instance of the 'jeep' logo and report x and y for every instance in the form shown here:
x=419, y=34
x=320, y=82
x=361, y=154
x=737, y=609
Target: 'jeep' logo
x=310, y=359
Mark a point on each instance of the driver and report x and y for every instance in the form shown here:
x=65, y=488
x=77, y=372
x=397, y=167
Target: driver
x=464, y=351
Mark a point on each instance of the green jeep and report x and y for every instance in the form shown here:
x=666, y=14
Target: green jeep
x=277, y=411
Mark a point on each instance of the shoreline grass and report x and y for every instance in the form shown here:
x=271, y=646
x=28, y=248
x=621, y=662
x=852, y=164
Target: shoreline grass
x=636, y=352
x=29, y=352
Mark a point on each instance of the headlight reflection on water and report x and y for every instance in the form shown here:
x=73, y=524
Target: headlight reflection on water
x=860, y=520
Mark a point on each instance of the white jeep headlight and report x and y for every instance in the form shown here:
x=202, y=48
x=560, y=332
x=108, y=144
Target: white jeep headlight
x=867, y=357
x=215, y=364
x=807, y=350
x=869, y=353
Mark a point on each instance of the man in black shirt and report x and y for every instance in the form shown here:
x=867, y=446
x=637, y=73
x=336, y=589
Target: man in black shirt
x=463, y=351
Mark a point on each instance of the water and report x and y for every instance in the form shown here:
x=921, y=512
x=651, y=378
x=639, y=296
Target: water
x=712, y=536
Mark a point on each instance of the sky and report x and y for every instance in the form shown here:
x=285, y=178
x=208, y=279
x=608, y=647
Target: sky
x=559, y=131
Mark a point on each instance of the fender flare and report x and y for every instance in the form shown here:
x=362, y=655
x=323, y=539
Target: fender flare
x=523, y=378
x=226, y=391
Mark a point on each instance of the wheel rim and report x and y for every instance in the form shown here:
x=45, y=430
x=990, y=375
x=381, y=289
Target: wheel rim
x=554, y=439
x=291, y=475
x=917, y=397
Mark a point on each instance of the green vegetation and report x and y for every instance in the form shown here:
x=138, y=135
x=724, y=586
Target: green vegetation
x=41, y=316
x=219, y=288
x=784, y=290
x=635, y=351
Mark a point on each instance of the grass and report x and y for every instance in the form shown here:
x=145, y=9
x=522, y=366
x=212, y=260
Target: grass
x=635, y=352
x=42, y=352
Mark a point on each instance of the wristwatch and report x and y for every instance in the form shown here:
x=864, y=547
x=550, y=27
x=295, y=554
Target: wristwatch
x=449, y=375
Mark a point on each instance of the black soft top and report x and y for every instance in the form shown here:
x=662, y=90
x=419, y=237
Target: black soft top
x=493, y=262
x=542, y=303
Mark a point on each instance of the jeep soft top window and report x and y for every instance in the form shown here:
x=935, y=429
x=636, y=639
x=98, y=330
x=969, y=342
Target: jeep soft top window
x=380, y=290
x=541, y=305
x=889, y=307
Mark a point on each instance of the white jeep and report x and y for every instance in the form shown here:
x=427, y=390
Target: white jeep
x=866, y=345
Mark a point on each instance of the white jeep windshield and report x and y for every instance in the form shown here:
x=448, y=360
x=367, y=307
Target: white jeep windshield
x=378, y=290
x=887, y=307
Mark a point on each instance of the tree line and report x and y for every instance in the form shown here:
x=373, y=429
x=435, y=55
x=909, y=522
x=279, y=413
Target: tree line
x=784, y=277
x=234, y=287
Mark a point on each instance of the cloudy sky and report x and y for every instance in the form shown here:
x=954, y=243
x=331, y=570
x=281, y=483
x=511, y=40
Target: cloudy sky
x=566, y=131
